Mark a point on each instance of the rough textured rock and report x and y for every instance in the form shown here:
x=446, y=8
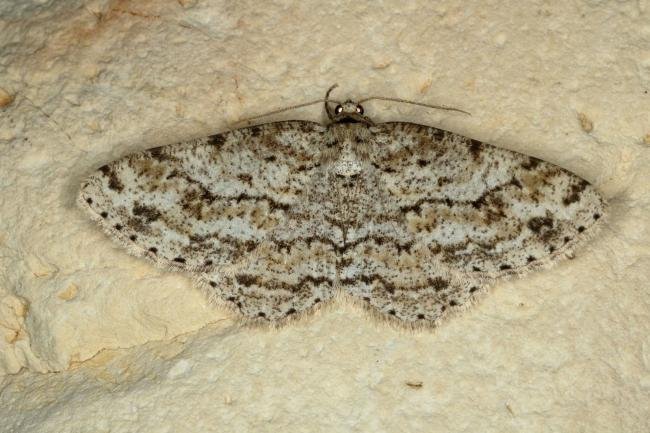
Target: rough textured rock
x=82, y=83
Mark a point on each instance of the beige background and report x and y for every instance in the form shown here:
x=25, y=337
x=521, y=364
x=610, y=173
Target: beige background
x=92, y=339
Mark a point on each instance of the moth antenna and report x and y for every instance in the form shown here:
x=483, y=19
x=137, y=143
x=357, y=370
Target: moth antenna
x=291, y=107
x=406, y=101
x=328, y=109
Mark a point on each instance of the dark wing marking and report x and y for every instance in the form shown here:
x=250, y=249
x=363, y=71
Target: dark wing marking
x=482, y=210
x=203, y=203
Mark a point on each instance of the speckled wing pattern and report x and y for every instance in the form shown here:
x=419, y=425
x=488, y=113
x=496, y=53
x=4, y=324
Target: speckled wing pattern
x=468, y=213
x=411, y=221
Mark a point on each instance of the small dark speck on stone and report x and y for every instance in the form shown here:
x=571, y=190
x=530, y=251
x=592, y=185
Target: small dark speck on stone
x=581, y=229
x=179, y=260
x=104, y=214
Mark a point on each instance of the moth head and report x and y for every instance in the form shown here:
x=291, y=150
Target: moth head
x=350, y=112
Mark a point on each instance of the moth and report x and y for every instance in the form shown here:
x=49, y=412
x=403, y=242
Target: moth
x=274, y=220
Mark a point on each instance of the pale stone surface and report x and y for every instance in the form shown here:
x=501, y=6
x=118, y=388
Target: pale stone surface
x=84, y=83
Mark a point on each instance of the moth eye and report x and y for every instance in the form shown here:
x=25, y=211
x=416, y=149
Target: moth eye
x=338, y=109
x=359, y=109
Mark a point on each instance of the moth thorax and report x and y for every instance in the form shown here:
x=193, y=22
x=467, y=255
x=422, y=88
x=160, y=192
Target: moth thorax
x=347, y=167
x=347, y=164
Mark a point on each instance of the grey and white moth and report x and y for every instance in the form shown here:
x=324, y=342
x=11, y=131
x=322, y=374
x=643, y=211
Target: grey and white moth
x=274, y=220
